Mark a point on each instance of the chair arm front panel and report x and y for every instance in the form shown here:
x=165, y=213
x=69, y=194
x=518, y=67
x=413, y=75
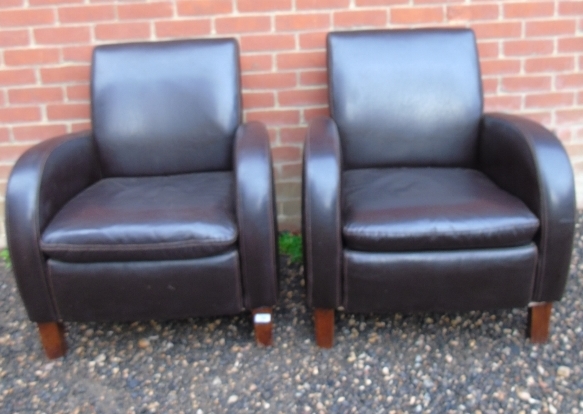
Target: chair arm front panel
x=528, y=161
x=256, y=215
x=321, y=214
x=44, y=178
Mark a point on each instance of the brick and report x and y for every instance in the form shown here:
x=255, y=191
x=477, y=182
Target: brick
x=253, y=100
x=38, y=132
x=292, y=135
x=65, y=74
x=20, y=114
x=528, y=47
x=27, y=57
x=570, y=44
x=415, y=15
x=10, y=153
x=288, y=190
x=550, y=28
x=498, y=30
x=499, y=67
x=303, y=97
x=122, y=31
x=286, y=154
x=80, y=126
x=269, y=42
x=302, y=22
x=571, y=8
x=321, y=4
x=490, y=85
x=473, y=12
x=67, y=111
x=549, y=100
x=5, y=4
x=182, y=28
x=86, y=13
x=314, y=77
x=502, y=103
x=292, y=170
x=528, y=9
x=569, y=81
x=543, y=118
x=311, y=113
x=16, y=77
x=549, y=64
x=380, y=2
x=254, y=63
x=53, y=2
x=204, y=7
x=77, y=54
x=283, y=80
x=526, y=83
x=275, y=117
x=569, y=116
x=360, y=18
x=488, y=49
x=292, y=208
x=313, y=40
x=301, y=60
x=4, y=137
x=134, y=11
x=26, y=17
x=62, y=35
x=35, y=95
x=78, y=92
x=9, y=38
x=242, y=24
x=246, y=6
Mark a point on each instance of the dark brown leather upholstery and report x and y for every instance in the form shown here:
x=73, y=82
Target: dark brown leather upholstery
x=164, y=210
x=415, y=200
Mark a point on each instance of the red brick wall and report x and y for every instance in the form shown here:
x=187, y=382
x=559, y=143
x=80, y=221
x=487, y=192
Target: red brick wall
x=531, y=54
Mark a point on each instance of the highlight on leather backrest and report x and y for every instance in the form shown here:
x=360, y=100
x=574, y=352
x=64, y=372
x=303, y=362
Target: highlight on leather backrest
x=405, y=97
x=165, y=107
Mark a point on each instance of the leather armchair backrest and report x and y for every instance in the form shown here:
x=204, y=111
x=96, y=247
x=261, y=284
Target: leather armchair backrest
x=405, y=97
x=165, y=107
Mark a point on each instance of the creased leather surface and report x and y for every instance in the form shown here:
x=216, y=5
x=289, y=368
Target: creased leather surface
x=528, y=161
x=166, y=107
x=439, y=281
x=131, y=291
x=416, y=209
x=321, y=214
x=405, y=97
x=43, y=179
x=256, y=215
x=146, y=218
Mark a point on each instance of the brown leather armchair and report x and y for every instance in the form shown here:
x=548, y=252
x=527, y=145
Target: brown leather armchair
x=164, y=210
x=414, y=200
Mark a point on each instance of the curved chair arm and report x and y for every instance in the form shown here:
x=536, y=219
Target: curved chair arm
x=256, y=215
x=43, y=179
x=528, y=161
x=321, y=214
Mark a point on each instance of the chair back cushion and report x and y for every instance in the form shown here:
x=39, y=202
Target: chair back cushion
x=165, y=107
x=405, y=97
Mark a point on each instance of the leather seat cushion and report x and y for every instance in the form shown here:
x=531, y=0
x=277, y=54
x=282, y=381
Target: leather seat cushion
x=146, y=218
x=416, y=209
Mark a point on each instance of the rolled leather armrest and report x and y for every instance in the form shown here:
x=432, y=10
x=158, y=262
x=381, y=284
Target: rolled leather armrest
x=256, y=215
x=527, y=160
x=43, y=179
x=321, y=214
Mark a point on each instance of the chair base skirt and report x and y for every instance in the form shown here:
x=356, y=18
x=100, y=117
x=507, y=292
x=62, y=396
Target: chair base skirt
x=439, y=281
x=52, y=337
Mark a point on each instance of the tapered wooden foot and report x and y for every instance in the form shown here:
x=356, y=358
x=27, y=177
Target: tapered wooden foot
x=52, y=337
x=263, y=323
x=324, y=327
x=539, y=318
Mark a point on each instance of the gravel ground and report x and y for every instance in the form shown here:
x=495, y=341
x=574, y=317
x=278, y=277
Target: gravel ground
x=435, y=363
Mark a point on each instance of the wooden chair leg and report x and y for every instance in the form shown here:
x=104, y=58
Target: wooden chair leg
x=52, y=337
x=539, y=318
x=263, y=324
x=324, y=327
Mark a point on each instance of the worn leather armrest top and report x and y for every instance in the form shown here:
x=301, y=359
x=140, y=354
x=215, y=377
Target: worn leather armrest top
x=321, y=213
x=528, y=161
x=44, y=178
x=256, y=215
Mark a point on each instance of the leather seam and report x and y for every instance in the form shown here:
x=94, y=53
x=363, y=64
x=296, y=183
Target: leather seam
x=152, y=246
